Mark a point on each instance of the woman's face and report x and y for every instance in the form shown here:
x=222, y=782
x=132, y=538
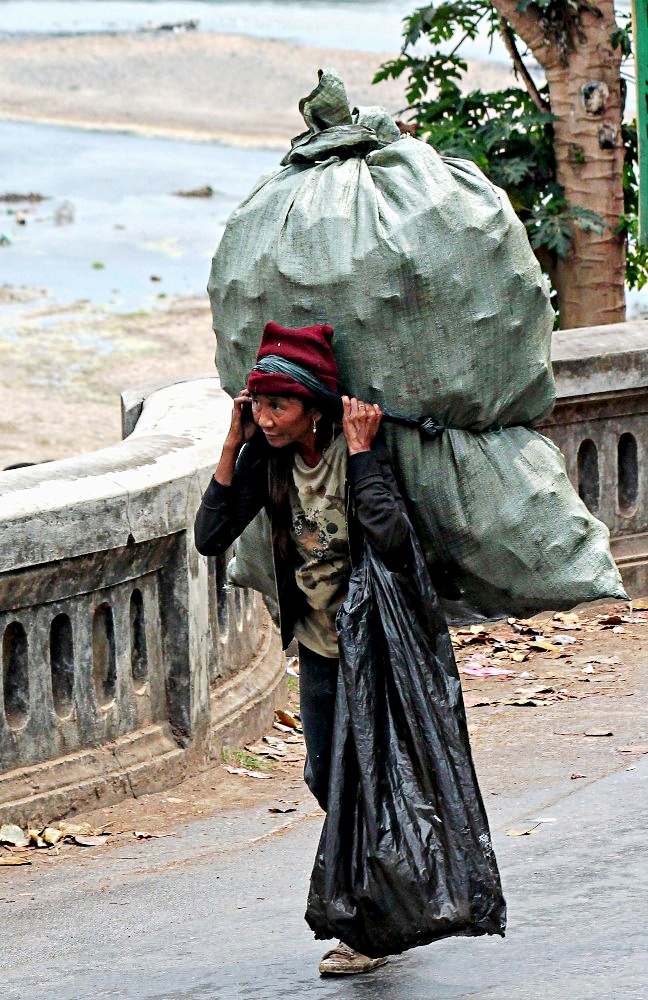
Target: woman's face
x=283, y=419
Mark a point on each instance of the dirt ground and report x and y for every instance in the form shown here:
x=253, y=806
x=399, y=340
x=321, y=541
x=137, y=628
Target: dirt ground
x=61, y=395
x=570, y=712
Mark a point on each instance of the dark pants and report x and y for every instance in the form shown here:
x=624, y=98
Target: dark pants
x=317, y=688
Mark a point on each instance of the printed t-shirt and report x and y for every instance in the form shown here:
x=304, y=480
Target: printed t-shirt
x=319, y=532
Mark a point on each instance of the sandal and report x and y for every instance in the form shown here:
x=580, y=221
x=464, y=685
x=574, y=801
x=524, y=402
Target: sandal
x=344, y=961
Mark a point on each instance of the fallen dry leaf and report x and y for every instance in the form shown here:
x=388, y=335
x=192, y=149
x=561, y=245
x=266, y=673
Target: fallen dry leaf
x=546, y=646
x=77, y=829
x=274, y=741
x=639, y=604
x=246, y=771
x=474, y=700
x=90, y=841
x=567, y=617
x=51, y=835
x=12, y=862
x=611, y=620
x=259, y=750
x=525, y=832
x=286, y=718
x=10, y=833
x=639, y=748
x=281, y=808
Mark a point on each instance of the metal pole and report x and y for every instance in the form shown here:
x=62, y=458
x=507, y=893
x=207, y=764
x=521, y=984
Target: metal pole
x=640, y=34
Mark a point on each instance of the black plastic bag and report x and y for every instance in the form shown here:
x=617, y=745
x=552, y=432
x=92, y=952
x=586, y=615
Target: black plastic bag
x=405, y=856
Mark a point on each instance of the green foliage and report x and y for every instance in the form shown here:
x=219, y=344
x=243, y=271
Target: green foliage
x=507, y=132
x=636, y=253
x=551, y=224
x=240, y=758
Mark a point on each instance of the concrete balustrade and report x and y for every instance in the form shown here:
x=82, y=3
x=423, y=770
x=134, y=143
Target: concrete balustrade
x=600, y=423
x=126, y=658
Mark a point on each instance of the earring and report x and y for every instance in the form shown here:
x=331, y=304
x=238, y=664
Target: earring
x=314, y=426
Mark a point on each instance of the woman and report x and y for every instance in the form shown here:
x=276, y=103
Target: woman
x=325, y=490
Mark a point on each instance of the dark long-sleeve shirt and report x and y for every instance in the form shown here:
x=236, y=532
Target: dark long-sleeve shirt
x=375, y=512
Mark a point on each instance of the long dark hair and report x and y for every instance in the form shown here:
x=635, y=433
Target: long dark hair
x=280, y=481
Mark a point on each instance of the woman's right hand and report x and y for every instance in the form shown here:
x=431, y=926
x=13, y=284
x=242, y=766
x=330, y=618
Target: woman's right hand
x=241, y=429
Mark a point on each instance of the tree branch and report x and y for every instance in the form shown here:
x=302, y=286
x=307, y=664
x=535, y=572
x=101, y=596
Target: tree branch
x=519, y=67
x=528, y=27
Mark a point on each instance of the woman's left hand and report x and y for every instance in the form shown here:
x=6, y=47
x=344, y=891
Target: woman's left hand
x=360, y=423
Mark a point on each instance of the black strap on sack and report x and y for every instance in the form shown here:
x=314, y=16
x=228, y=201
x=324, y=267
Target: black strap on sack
x=428, y=427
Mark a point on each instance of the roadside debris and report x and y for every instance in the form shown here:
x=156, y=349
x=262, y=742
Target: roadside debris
x=273, y=748
x=98, y=841
x=12, y=834
x=478, y=667
x=532, y=827
x=492, y=650
x=246, y=771
x=287, y=719
x=14, y=838
x=639, y=749
x=270, y=753
x=524, y=832
x=586, y=732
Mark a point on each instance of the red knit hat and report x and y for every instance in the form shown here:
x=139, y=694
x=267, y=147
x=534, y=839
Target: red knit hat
x=307, y=346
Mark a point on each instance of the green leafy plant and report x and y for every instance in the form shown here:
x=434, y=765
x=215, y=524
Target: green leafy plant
x=509, y=132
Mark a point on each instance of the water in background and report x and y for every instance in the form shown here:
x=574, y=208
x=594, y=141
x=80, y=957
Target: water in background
x=359, y=25
x=128, y=225
x=364, y=25
x=112, y=229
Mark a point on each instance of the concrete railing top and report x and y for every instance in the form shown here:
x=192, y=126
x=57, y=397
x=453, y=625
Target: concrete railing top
x=132, y=491
x=600, y=359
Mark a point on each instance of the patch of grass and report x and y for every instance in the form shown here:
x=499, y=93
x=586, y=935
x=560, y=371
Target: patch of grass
x=241, y=758
x=293, y=684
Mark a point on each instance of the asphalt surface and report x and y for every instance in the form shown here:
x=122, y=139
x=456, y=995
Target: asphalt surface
x=216, y=913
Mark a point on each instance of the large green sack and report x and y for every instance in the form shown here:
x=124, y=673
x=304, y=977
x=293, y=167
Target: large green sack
x=440, y=309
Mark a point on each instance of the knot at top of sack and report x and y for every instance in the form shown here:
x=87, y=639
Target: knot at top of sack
x=333, y=130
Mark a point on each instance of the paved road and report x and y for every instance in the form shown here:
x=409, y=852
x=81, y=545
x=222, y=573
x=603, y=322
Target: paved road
x=216, y=914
